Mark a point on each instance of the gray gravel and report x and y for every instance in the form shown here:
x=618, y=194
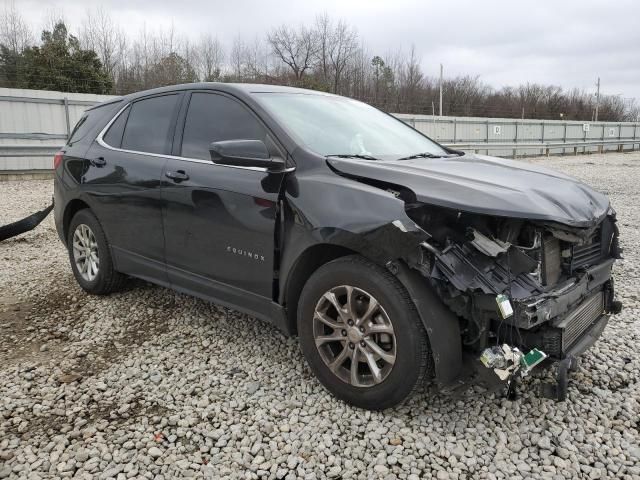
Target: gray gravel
x=148, y=383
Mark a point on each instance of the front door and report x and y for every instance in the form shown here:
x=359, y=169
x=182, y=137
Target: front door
x=219, y=221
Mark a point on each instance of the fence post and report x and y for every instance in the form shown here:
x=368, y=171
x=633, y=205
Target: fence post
x=601, y=147
x=542, y=138
x=487, y=137
x=564, y=138
x=515, y=140
x=455, y=129
x=621, y=145
x=66, y=115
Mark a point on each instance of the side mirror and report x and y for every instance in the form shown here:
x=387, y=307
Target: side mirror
x=244, y=153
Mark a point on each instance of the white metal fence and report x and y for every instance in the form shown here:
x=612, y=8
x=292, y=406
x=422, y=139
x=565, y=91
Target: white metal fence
x=508, y=137
x=35, y=123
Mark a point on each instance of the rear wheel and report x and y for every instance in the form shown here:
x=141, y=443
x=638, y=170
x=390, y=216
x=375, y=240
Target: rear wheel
x=361, y=334
x=90, y=255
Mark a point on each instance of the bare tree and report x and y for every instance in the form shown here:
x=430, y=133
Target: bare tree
x=52, y=17
x=101, y=34
x=323, y=27
x=336, y=44
x=15, y=34
x=342, y=46
x=237, y=58
x=210, y=55
x=295, y=47
x=257, y=61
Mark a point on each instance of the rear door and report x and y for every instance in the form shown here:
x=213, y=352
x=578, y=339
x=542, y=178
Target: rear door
x=124, y=180
x=219, y=221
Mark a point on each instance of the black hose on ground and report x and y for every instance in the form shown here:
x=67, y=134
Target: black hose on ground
x=24, y=225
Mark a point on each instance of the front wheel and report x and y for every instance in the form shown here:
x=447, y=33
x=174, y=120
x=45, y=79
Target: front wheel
x=362, y=335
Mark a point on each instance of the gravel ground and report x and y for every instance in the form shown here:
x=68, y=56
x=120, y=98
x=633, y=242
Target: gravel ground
x=148, y=383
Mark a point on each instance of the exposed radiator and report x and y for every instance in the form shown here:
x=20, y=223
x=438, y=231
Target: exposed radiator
x=575, y=324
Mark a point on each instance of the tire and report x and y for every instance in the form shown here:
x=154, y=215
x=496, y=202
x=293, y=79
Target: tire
x=105, y=280
x=408, y=344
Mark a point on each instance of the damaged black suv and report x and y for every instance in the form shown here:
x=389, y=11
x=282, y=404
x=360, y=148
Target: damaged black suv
x=394, y=259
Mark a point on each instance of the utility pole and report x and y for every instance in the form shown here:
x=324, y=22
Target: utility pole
x=440, y=89
x=597, y=99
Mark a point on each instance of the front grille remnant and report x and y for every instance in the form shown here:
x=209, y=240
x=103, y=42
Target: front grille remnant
x=581, y=319
x=588, y=254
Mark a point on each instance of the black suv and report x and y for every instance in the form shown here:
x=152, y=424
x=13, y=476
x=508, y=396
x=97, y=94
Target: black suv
x=394, y=259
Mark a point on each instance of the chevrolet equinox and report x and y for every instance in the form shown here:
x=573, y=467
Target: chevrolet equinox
x=394, y=259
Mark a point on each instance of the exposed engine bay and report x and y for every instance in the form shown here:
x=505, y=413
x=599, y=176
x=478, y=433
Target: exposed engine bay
x=544, y=269
x=522, y=283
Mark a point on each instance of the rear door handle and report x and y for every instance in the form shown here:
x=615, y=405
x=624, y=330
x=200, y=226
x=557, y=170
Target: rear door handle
x=98, y=162
x=177, y=176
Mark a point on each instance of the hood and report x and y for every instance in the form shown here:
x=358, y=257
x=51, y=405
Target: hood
x=487, y=185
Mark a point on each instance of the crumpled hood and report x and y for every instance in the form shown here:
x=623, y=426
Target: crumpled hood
x=488, y=185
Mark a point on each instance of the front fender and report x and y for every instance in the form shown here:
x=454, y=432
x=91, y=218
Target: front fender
x=441, y=324
x=321, y=207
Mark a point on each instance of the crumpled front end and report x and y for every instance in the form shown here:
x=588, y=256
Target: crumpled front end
x=519, y=254
x=527, y=284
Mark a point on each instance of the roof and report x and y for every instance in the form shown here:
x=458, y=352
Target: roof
x=238, y=88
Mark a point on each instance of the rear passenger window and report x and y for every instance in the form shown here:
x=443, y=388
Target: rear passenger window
x=213, y=118
x=113, y=137
x=148, y=127
x=79, y=130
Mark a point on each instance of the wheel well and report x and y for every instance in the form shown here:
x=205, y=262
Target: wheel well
x=308, y=262
x=73, y=207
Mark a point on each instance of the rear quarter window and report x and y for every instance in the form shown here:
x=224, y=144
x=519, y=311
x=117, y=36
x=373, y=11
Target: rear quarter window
x=89, y=121
x=80, y=130
x=113, y=137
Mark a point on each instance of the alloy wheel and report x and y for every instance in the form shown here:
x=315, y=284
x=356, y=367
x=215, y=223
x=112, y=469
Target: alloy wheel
x=85, y=252
x=354, y=336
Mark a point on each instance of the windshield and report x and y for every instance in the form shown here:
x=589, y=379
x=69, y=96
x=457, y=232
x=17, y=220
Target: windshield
x=332, y=125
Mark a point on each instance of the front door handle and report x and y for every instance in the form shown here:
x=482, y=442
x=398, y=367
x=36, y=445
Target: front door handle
x=177, y=176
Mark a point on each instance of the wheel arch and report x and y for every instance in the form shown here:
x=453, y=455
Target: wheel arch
x=73, y=207
x=305, y=265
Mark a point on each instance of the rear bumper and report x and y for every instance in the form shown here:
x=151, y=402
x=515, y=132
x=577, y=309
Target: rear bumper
x=59, y=204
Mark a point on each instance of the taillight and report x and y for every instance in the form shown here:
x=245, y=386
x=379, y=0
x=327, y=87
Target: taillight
x=57, y=159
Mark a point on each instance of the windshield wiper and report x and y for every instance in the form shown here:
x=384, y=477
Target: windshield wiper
x=426, y=155
x=353, y=155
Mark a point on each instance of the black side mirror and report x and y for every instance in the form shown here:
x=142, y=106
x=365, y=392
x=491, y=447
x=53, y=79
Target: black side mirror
x=244, y=153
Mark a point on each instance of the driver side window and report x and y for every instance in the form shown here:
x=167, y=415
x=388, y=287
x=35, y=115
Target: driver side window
x=212, y=118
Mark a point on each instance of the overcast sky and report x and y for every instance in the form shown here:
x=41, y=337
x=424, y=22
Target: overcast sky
x=562, y=42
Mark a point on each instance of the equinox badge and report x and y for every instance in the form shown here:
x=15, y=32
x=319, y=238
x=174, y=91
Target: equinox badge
x=245, y=253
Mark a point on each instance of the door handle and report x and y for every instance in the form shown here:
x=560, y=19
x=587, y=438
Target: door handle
x=98, y=162
x=177, y=176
